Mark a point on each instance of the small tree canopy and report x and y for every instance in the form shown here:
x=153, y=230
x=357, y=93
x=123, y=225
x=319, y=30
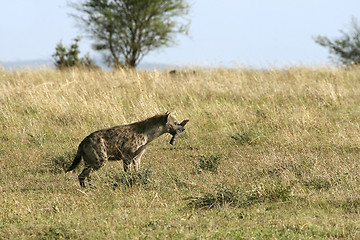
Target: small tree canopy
x=347, y=47
x=69, y=57
x=126, y=30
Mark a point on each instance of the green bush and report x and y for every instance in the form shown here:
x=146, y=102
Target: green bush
x=346, y=48
x=58, y=163
x=236, y=197
x=69, y=57
x=208, y=163
x=129, y=179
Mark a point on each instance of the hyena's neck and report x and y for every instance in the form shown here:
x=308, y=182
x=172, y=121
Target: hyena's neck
x=154, y=132
x=152, y=127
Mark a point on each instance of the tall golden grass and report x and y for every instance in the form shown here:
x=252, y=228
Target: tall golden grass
x=267, y=154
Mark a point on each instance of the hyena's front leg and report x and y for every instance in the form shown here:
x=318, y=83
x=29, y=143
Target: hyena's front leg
x=126, y=165
x=136, y=160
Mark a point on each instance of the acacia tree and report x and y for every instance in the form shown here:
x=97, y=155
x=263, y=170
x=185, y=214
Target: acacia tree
x=126, y=30
x=346, y=47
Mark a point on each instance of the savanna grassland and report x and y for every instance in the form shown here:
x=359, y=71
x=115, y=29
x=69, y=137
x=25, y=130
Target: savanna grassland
x=268, y=154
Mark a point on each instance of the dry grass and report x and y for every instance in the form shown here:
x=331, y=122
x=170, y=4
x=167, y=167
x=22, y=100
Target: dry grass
x=285, y=144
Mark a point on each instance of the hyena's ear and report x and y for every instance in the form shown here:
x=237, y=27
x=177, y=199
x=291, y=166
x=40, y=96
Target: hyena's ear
x=167, y=114
x=166, y=117
x=183, y=123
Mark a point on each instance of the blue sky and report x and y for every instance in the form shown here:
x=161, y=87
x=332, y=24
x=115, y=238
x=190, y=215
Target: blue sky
x=257, y=33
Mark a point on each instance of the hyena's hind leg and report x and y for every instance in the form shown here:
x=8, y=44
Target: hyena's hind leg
x=94, y=159
x=85, y=174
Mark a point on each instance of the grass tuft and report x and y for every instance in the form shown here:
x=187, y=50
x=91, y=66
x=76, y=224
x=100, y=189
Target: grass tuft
x=129, y=179
x=58, y=163
x=318, y=183
x=208, y=163
x=236, y=197
x=249, y=136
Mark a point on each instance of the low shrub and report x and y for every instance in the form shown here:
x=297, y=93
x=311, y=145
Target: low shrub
x=208, y=163
x=58, y=163
x=129, y=179
x=236, y=197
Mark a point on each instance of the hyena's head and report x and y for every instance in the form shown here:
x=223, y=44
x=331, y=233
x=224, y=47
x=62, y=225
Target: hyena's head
x=174, y=128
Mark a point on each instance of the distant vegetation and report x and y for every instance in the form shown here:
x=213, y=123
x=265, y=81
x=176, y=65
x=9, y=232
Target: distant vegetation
x=67, y=57
x=345, y=48
x=270, y=154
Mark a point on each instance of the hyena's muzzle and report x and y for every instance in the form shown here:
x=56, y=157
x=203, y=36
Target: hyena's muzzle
x=179, y=128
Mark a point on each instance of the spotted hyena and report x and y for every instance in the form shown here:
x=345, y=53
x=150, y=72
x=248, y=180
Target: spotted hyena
x=126, y=142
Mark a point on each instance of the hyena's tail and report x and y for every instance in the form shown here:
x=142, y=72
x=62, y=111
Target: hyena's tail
x=76, y=160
